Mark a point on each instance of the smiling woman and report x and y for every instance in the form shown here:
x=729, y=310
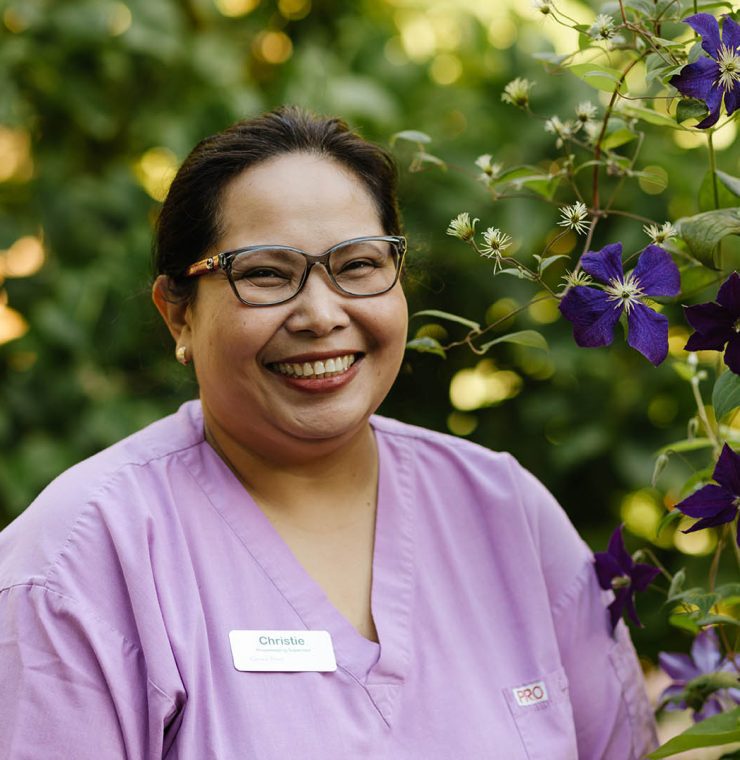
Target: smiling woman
x=276, y=543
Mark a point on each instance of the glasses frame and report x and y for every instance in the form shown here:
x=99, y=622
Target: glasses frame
x=223, y=261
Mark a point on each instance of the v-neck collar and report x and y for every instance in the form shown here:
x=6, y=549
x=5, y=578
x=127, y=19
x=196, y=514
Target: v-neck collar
x=379, y=667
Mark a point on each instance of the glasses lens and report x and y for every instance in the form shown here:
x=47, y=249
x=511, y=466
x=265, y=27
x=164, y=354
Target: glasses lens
x=365, y=267
x=267, y=275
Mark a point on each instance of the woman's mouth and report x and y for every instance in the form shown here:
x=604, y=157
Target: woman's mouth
x=336, y=365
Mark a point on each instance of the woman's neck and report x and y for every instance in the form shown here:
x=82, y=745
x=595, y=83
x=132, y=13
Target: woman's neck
x=310, y=481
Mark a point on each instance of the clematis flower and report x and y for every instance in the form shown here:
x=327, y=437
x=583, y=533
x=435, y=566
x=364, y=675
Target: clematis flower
x=594, y=313
x=718, y=76
x=716, y=504
x=617, y=571
x=718, y=323
x=705, y=659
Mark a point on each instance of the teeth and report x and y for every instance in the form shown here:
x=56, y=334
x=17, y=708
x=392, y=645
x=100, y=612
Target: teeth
x=325, y=368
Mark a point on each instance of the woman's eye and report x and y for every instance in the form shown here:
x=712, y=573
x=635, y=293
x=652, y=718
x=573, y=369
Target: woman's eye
x=263, y=276
x=357, y=266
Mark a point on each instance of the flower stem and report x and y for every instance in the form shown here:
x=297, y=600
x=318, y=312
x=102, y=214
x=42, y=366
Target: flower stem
x=702, y=412
x=712, y=165
x=651, y=556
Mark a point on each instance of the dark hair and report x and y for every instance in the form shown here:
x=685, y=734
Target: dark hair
x=188, y=223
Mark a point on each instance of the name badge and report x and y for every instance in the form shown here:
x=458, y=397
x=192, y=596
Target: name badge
x=283, y=651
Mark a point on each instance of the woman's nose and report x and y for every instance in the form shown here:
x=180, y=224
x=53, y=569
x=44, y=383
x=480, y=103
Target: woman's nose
x=319, y=308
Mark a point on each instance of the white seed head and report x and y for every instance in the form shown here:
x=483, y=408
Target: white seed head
x=585, y=111
x=495, y=242
x=462, y=227
x=543, y=6
x=660, y=234
x=575, y=217
x=729, y=67
x=602, y=28
x=516, y=92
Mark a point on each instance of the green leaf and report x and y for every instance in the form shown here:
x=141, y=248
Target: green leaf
x=600, y=77
x=684, y=622
x=703, y=232
x=543, y=264
x=695, y=277
x=668, y=519
x=530, y=338
x=422, y=157
x=515, y=172
x=427, y=345
x=717, y=619
x=555, y=58
x=728, y=590
x=726, y=198
x=647, y=114
x=449, y=317
x=678, y=580
x=690, y=109
x=515, y=273
x=688, y=444
x=730, y=182
x=726, y=394
x=719, y=729
x=411, y=135
x=617, y=138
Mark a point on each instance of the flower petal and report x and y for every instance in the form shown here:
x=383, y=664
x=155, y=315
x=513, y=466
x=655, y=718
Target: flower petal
x=657, y=273
x=705, y=651
x=727, y=471
x=720, y=518
x=617, y=606
x=706, y=502
x=605, y=265
x=643, y=576
x=617, y=550
x=648, y=333
x=708, y=27
x=729, y=296
x=713, y=100
x=680, y=667
x=593, y=316
x=732, y=354
x=697, y=79
x=730, y=33
x=711, y=707
x=606, y=568
x=732, y=99
x=629, y=604
x=713, y=325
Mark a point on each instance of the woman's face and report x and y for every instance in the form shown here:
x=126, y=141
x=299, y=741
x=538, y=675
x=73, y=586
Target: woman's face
x=309, y=202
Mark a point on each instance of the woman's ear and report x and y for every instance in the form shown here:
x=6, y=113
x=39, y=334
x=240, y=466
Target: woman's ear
x=175, y=312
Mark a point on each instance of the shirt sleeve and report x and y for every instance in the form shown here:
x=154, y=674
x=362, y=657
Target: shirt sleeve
x=72, y=686
x=612, y=714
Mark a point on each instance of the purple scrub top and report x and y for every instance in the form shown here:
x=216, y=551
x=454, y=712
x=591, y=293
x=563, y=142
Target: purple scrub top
x=120, y=584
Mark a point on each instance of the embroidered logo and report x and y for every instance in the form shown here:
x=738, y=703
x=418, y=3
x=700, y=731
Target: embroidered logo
x=530, y=694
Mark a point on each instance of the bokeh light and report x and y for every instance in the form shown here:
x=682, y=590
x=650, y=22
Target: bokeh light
x=155, y=171
x=482, y=386
x=273, y=47
x=119, y=19
x=23, y=259
x=234, y=8
x=15, y=155
x=461, y=424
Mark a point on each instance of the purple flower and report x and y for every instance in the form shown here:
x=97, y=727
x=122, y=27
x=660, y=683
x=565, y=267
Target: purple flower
x=709, y=79
x=594, y=313
x=617, y=571
x=716, y=505
x=705, y=659
x=718, y=323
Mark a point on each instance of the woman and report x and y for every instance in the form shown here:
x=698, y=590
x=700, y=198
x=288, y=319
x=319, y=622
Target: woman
x=272, y=572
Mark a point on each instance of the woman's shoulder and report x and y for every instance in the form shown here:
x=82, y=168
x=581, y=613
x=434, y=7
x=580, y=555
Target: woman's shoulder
x=93, y=495
x=429, y=445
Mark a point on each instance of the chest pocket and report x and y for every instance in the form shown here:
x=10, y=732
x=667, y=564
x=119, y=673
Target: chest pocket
x=542, y=712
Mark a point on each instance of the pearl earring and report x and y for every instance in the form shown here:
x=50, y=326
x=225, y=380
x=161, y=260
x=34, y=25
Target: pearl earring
x=181, y=354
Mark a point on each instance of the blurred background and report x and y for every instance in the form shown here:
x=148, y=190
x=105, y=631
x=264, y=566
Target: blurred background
x=101, y=99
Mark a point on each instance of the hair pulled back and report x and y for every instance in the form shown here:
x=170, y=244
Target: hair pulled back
x=188, y=223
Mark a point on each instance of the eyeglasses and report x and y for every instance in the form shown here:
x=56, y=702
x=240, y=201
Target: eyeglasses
x=265, y=275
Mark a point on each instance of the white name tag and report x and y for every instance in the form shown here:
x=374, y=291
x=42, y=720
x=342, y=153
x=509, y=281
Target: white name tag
x=530, y=694
x=283, y=651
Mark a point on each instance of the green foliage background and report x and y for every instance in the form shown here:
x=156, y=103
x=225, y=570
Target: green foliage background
x=96, y=84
